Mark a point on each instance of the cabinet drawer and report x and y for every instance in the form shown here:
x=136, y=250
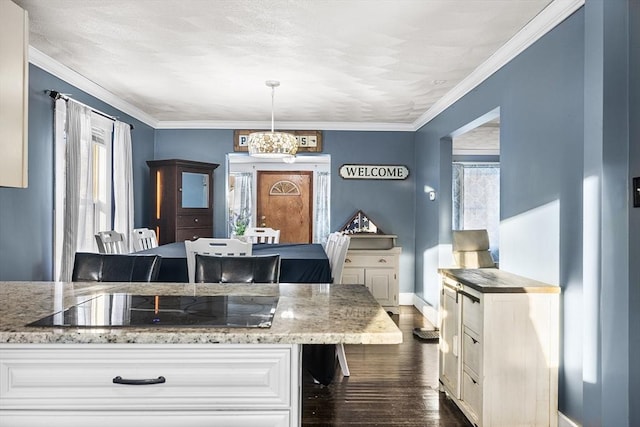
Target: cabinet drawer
x=195, y=221
x=472, y=311
x=193, y=233
x=370, y=261
x=471, y=395
x=80, y=377
x=472, y=349
x=147, y=418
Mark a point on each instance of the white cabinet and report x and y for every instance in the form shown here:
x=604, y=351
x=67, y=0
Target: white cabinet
x=14, y=83
x=231, y=385
x=499, y=347
x=378, y=271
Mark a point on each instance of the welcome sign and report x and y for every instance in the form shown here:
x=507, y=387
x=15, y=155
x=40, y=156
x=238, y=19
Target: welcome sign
x=374, y=172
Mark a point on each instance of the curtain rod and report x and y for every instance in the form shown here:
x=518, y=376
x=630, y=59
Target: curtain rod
x=57, y=95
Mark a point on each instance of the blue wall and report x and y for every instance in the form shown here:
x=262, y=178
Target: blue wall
x=565, y=94
x=540, y=96
x=26, y=228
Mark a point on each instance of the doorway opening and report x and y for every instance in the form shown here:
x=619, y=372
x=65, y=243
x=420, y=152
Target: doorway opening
x=294, y=198
x=476, y=180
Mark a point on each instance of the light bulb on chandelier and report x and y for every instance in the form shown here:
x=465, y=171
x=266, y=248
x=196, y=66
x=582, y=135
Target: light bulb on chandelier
x=274, y=145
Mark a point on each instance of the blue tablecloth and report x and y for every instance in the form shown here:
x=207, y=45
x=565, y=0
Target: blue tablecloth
x=299, y=263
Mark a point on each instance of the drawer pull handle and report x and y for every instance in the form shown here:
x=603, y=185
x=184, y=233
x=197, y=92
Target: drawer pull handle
x=347, y=260
x=195, y=219
x=382, y=260
x=475, y=341
x=120, y=380
x=474, y=299
x=474, y=381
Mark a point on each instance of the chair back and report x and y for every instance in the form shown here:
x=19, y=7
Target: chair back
x=237, y=269
x=92, y=267
x=262, y=235
x=213, y=246
x=143, y=239
x=339, y=257
x=110, y=242
x=471, y=249
x=330, y=246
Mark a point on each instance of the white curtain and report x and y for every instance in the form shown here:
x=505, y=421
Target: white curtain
x=322, y=218
x=123, y=181
x=78, y=207
x=241, y=203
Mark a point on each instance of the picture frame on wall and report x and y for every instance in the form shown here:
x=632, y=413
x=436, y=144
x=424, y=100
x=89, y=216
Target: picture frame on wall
x=309, y=141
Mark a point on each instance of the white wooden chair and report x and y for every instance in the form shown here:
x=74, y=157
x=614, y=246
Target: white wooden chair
x=330, y=246
x=262, y=235
x=143, y=239
x=339, y=254
x=213, y=246
x=110, y=242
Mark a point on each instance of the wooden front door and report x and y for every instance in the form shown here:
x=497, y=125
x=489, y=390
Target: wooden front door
x=285, y=204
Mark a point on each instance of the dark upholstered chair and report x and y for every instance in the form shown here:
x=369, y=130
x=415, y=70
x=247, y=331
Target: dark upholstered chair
x=237, y=269
x=92, y=267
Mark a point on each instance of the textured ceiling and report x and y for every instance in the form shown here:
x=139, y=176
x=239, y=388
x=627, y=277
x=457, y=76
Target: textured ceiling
x=376, y=61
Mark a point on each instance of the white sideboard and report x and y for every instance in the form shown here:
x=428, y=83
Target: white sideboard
x=499, y=344
x=378, y=270
x=14, y=95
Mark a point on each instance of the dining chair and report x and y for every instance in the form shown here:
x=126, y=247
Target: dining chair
x=213, y=246
x=471, y=249
x=329, y=247
x=237, y=269
x=92, y=267
x=339, y=255
x=143, y=239
x=262, y=235
x=110, y=242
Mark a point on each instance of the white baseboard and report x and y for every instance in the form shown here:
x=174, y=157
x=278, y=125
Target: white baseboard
x=405, y=298
x=564, y=421
x=426, y=309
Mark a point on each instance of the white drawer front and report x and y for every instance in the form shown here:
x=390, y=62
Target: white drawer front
x=471, y=395
x=146, y=419
x=370, y=261
x=472, y=349
x=472, y=311
x=196, y=378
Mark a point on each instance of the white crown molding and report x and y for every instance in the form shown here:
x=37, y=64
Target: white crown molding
x=65, y=73
x=349, y=126
x=556, y=12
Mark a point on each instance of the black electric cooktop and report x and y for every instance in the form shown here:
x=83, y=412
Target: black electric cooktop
x=122, y=310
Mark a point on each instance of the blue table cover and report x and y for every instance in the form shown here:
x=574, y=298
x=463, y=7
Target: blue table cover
x=299, y=262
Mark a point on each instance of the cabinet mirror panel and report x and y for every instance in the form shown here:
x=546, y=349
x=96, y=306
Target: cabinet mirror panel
x=195, y=190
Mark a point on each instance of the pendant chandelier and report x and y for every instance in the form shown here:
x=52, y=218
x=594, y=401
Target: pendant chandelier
x=274, y=145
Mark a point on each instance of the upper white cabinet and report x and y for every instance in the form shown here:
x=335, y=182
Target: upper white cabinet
x=14, y=83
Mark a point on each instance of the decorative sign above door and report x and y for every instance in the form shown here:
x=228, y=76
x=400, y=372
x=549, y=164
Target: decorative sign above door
x=309, y=141
x=374, y=172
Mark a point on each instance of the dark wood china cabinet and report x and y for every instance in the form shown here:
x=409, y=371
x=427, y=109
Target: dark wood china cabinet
x=181, y=199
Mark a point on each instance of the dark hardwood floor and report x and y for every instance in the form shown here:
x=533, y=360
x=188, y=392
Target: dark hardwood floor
x=390, y=385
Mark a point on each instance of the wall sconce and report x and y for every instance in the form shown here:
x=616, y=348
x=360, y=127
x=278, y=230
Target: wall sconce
x=431, y=192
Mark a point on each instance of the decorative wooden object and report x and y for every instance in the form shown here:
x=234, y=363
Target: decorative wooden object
x=181, y=199
x=309, y=141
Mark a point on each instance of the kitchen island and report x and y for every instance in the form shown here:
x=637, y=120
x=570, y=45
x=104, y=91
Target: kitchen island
x=169, y=375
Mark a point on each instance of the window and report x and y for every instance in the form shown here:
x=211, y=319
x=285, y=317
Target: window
x=476, y=200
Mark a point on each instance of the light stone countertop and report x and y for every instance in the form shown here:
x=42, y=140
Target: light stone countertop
x=306, y=314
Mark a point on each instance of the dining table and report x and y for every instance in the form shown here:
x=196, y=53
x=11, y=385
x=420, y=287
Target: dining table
x=299, y=262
